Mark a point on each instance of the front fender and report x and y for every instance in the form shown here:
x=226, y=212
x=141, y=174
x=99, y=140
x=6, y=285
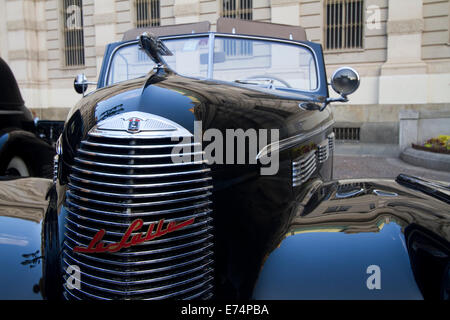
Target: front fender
x=331, y=264
x=22, y=211
x=361, y=239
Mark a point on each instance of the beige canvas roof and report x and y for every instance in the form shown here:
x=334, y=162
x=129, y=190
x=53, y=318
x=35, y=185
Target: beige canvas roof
x=256, y=28
x=199, y=27
x=225, y=25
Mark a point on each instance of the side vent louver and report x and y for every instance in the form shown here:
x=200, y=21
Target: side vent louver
x=304, y=166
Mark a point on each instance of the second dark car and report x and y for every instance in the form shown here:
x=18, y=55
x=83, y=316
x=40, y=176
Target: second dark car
x=26, y=144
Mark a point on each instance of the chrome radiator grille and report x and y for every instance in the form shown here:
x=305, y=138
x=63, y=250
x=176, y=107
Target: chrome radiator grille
x=116, y=180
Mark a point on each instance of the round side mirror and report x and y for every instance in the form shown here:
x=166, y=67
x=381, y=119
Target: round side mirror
x=345, y=81
x=80, y=83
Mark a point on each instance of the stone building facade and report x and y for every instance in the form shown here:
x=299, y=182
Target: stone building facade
x=401, y=48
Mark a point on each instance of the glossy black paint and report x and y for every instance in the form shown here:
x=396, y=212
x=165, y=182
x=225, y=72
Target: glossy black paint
x=332, y=240
x=21, y=251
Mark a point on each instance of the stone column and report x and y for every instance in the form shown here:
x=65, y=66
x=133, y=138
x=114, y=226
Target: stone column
x=409, y=128
x=3, y=34
x=186, y=11
x=285, y=12
x=27, y=49
x=105, y=27
x=403, y=76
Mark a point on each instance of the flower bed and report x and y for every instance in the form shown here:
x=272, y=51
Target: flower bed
x=441, y=144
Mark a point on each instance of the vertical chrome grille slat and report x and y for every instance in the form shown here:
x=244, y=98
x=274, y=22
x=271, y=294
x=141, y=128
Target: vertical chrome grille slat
x=119, y=178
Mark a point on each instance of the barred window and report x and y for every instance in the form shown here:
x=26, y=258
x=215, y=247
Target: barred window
x=147, y=13
x=234, y=47
x=344, y=24
x=240, y=9
x=72, y=18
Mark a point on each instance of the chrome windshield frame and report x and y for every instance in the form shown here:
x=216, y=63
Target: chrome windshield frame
x=211, y=42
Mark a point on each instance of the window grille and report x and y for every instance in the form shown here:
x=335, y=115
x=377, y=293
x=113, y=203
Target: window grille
x=233, y=47
x=237, y=9
x=344, y=24
x=347, y=134
x=147, y=13
x=73, y=34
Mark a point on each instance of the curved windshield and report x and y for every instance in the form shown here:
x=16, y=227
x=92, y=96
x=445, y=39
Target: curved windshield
x=271, y=64
x=131, y=62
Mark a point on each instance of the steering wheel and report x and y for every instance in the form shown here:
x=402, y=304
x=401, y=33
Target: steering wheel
x=269, y=76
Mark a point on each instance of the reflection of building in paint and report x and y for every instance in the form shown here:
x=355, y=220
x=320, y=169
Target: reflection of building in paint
x=24, y=198
x=238, y=48
x=370, y=210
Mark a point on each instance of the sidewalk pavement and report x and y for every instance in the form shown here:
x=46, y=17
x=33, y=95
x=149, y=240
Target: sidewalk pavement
x=376, y=166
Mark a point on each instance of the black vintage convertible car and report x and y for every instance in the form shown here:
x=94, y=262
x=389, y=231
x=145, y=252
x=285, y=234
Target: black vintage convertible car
x=130, y=218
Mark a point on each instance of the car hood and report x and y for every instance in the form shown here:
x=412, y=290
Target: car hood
x=184, y=100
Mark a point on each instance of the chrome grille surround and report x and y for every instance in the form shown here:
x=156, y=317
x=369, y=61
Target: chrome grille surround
x=119, y=177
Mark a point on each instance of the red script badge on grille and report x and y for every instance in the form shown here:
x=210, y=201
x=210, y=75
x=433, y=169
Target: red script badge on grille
x=97, y=246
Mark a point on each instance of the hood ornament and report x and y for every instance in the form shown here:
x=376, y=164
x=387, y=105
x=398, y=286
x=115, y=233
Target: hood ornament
x=154, y=48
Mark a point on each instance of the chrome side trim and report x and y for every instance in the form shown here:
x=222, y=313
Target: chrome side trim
x=292, y=141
